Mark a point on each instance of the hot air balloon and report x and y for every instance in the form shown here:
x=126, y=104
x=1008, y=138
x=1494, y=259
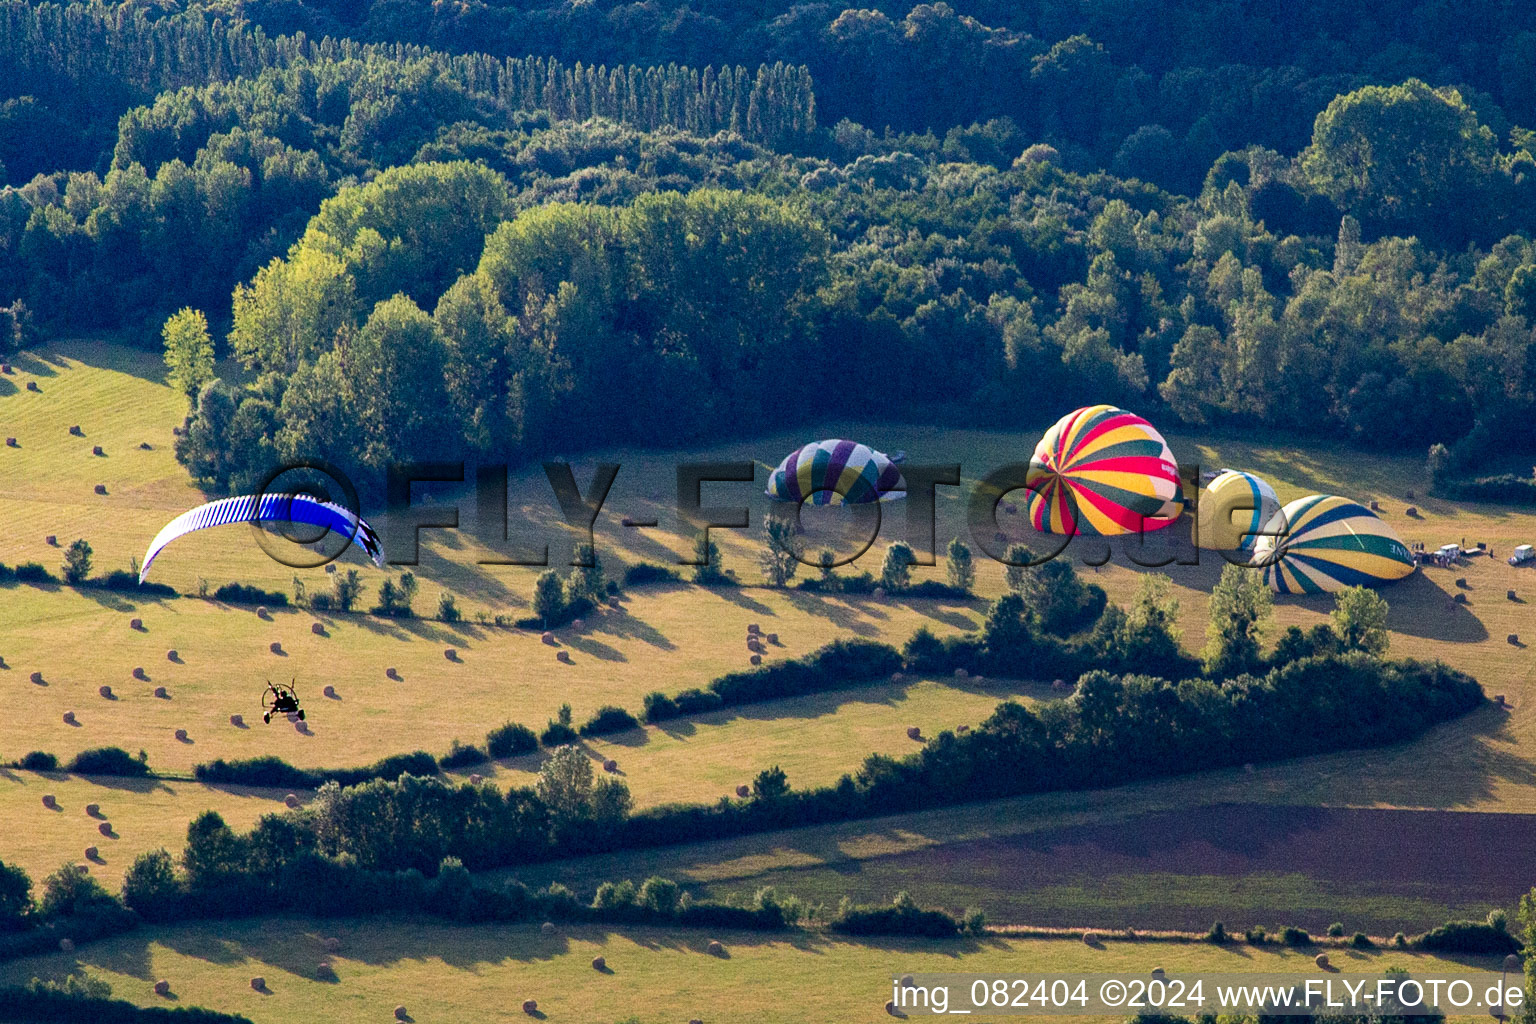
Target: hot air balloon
x=1233, y=511
x=1102, y=471
x=837, y=472
x=1324, y=543
x=266, y=508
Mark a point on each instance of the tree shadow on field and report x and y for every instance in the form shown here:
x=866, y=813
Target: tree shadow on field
x=1416, y=607
x=209, y=946
x=737, y=595
x=595, y=648
x=125, y=359
x=7, y=388
x=626, y=626
x=129, y=784
x=39, y=362
x=933, y=610
x=845, y=617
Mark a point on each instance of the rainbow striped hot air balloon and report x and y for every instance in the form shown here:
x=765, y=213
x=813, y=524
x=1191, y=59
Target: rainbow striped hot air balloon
x=1233, y=511
x=837, y=472
x=1102, y=471
x=1323, y=543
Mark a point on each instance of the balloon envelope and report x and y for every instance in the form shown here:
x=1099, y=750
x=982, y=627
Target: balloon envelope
x=837, y=472
x=264, y=508
x=1102, y=471
x=1323, y=543
x=1233, y=511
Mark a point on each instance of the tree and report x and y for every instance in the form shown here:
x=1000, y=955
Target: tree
x=707, y=564
x=151, y=887
x=71, y=890
x=566, y=783
x=1018, y=557
x=213, y=851
x=1150, y=634
x=408, y=588
x=587, y=579
x=77, y=562
x=1359, y=620
x=778, y=560
x=770, y=784
x=447, y=608
x=188, y=351
x=346, y=588
x=1240, y=606
x=15, y=897
x=896, y=570
x=959, y=566
x=548, y=597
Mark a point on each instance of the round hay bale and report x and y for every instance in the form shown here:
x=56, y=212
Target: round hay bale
x=961, y=673
x=10, y=442
x=1498, y=699
x=907, y=981
x=51, y=540
x=261, y=611
x=291, y=801
x=548, y=927
x=162, y=693
x=172, y=655
x=136, y=624
x=610, y=766
x=181, y=734
x=75, y=431
x=400, y=1013
x=962, y=729
x=138, y=672
x=1158, y=972
x=69, y=718
x=66, y=945
x=1090, y=939
x=325, y=971
x=96, y=450
x=101, y=488
x=755, y=646
x=890, y=1008
x=145, y=446
x=332, y=944
x=330, y=567
x=92, y=810
x=773, y=638
x=32, y=386
x=1511, y=595
x=390, y=673
x=90, y=853
x=275, y=647
x=105, y=828
x=756, y=659
x=105, y=691
x=743, y=791
x=530, y=1006
x=258, y=983
x=879, y=594
x=547, y=637
x=475, y=778
x=162, y=987
x=317, y=629
x=753, y=627
x=714, y=948
x=1011, y=509
x=1321, y=960
x=237, y=721
x=599, y=964
x=578, y=623
x=1460, y=598
x=1461, y=581
x=1513, y=638
x=50, y=801
x=37, y=677
x=564, y=656
x=695, y=1021
x=1411, y=511
x=914, y=733
x=329, y=691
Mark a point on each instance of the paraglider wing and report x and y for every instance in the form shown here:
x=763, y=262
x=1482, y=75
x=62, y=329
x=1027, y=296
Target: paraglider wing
x=1324, y=543
x=837, y=472
x=264, y=508
x=1102, y=471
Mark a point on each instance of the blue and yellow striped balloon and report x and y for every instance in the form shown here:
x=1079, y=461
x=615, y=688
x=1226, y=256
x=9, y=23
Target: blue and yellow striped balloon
x=837, y=472
x=1233, y=511
x=1323, y=543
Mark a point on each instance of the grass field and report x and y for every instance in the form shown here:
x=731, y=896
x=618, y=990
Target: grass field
x=441, y=973
x=657, y=638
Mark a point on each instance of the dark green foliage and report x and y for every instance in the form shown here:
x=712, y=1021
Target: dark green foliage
x=241, y=593
x=1476, y=937
x=1217, y=934
x=15, y=897
x=38, y=761
x=608, y=719
x=557, y=734
x=278, y=774
x=643, y=574
x=34, y=573
x=107, y=761
x=902, y=918
x=511, y=740
x=462, y=756
x=564, y=614
x=151, y=888
x=1293, y=936
x=29, y=1004
x=127, y=582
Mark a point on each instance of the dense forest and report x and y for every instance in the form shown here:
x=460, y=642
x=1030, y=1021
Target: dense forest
x=648, y=218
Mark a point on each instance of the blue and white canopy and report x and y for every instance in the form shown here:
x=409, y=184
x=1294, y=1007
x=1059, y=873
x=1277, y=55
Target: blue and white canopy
x=265, y=508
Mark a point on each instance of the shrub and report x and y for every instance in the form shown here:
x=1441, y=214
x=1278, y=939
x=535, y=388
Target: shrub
x=34, y=573
x=643, y=574
x=659, y=707
x=694, y=701
x=151, y=888
x=38, y=761
x=1467, y=937
x=1360, y=940
x=1217, y=933
x=275, y=773
x=44, y=1004
x=609, y=719
x=567, y=612
x=123, y=581
x=1293, y=936
x=1400, y=940
x=320, y=602
x=77, y=562
x=1255, y=936
x=447, y=610
x=108, y=761
x=1336, y=930
x=240, y=593
x=510, y=740
x=901, y=918
x=557, y=734
x=461, y=756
